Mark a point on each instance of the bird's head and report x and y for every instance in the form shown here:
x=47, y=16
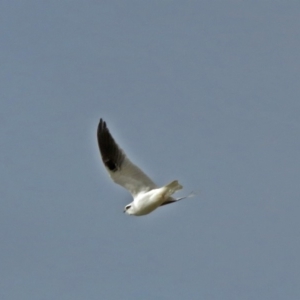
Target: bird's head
x=129, y=209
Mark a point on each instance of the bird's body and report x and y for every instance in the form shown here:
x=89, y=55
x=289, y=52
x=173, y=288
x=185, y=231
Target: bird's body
x=147, y=196
x=145, y=202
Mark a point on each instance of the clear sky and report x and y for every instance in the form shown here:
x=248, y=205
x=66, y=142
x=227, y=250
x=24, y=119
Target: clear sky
x=206, y=92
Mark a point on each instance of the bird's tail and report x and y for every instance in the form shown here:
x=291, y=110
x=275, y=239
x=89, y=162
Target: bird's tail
x=172, y=187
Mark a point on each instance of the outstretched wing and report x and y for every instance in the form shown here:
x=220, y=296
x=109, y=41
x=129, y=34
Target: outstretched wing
x=120, y=168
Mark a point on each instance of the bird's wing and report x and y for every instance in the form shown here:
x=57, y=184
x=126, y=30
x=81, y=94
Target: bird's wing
x=120, y=168
x=172, y=200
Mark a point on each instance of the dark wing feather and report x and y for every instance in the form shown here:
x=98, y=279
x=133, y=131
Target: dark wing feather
x=112, y=155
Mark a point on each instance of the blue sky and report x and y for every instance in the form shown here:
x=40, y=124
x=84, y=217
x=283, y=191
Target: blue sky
x=206, y=92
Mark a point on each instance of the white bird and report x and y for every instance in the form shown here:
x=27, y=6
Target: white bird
x=146, y=195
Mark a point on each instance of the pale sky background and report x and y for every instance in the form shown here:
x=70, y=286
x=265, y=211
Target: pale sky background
x=206, y=92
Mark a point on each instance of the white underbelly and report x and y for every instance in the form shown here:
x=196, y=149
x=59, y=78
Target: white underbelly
x=149, y=201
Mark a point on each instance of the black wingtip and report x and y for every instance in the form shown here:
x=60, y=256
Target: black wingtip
x=101, y=127
x=111, y=155
x=101, y=123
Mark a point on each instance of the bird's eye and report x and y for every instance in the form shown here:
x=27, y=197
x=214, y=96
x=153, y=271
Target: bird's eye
x=127, y=207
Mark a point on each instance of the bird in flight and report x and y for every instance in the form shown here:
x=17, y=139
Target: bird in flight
x=147, y=196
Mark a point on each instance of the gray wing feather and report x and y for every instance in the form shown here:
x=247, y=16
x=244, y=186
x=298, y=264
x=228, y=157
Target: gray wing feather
x=120, y=168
